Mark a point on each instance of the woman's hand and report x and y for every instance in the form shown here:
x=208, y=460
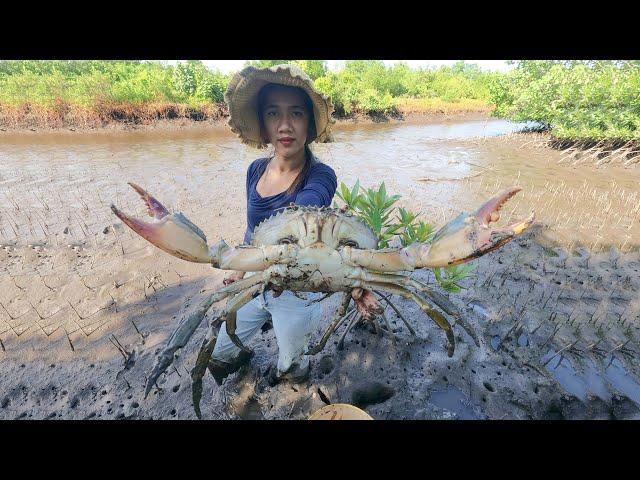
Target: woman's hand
x=233, y=277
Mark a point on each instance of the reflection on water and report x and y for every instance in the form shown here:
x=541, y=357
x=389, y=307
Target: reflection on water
x=454, y=400
x=591, y=381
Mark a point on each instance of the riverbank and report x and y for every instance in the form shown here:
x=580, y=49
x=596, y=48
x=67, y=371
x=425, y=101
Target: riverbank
x=170, y=116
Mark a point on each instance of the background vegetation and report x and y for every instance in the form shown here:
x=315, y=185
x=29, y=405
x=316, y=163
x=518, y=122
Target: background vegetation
x=576, y=99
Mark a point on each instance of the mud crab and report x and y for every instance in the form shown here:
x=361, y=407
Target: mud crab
x=309, y=249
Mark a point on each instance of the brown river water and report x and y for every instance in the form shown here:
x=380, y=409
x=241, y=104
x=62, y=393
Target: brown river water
x=72, y=276
x=47, y=180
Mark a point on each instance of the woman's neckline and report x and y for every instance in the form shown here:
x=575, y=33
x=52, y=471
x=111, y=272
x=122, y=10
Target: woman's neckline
x=255, y=186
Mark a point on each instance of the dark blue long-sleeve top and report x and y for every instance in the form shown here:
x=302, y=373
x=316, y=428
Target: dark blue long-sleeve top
x=316, y=189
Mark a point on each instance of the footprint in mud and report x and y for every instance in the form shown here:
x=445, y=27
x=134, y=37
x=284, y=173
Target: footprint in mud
x=488, y=386
x=371, y=393
x=251, y=410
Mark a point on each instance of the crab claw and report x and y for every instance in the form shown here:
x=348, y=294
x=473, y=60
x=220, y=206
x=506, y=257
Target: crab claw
x=173, y=233
x=471, y=236
x=459, y=241
x=366, y=303
x=155, y=208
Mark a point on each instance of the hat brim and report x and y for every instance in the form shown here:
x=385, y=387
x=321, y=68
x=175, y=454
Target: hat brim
x=242, y=98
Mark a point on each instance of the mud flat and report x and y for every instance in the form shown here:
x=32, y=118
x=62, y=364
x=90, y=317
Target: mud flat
x=85, y=304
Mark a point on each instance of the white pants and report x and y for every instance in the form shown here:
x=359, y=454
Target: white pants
x=294, y=320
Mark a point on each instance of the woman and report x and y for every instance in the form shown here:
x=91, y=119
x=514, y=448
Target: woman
x=277, y=106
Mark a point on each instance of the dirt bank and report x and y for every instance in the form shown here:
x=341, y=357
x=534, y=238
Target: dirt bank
x=164, y=116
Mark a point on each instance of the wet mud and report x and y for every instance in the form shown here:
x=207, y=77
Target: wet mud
x=85, y=304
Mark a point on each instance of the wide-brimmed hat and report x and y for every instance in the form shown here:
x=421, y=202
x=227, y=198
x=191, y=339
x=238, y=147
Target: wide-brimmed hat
x=242, y=98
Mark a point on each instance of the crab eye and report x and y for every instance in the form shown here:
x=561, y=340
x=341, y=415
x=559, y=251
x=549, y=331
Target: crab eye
x=348, y=243
x=287, y=241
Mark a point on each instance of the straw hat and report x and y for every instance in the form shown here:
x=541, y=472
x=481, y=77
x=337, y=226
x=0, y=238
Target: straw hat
x=340, y=411
x=242, y=98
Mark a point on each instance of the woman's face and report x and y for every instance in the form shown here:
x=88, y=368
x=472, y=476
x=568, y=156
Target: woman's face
x=286, y=121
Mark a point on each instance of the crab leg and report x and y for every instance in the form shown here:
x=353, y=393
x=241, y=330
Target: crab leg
x=204, y=356
x=353, y=321
x=339, y=317
x=459, y=241
x=183, y=333
x=440, y=300
x=177, y=235
x=409, y=327
x=436, y=316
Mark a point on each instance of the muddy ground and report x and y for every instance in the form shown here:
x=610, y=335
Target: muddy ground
x=85, y=304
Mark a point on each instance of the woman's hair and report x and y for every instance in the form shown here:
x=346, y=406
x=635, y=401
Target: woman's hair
x=310, y=160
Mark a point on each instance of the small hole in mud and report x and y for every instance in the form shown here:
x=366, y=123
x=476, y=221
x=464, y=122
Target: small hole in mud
x=135, y=404
x=91, y=366
x=110, y=410
x=499, y=374
x=103, y=392
x=22, y=366
x=53, y=365
x=473, y=371
x=445, y=379
x=535, y=390
x=129, y=397
x=173, y=412
x=108, y=401
x=488, y=386
x=175, y=389
x=484, y=399
x=121, y=405
x=448, y=367
x=504, y=364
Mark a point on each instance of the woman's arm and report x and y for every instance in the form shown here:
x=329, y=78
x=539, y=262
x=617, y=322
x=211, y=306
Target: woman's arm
x=234, y=276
